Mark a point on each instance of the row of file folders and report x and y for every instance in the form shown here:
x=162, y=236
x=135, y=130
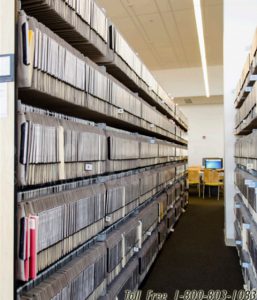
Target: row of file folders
x=84, y=25
x=246, y=242
x=119, y=259
x=53, y=74
x=56, y=147
x=68, y=218
x=245, y=151
x=247, y=185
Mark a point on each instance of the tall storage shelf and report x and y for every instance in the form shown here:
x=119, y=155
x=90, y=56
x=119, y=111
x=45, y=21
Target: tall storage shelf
x=245, y=205
x=102, y=156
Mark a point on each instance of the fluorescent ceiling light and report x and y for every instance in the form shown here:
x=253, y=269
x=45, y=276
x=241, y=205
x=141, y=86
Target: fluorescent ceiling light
x=199, y=25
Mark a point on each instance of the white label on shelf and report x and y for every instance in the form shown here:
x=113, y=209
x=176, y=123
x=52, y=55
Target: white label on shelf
x=253, y=77
x=246, y=226
x=136, y=249
x=252, y=184
x=108, y=219
x=249, y=182
x=245, y=265
x=88, y=167
x=3, y=100
x=120, y=111
x=5, y=66
x=249, y=166
x=148, y=233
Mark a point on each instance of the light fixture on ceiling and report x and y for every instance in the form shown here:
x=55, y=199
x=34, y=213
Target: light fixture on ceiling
x=199, y=26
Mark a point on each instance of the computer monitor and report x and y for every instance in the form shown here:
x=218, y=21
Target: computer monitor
x=213, y=163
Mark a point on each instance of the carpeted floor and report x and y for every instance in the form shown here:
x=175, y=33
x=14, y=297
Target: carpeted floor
x=195, y=256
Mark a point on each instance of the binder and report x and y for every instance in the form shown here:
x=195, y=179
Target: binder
x=23, y=238
x=23, y=245
x=27, y=247
x=27, y=258
x=25, y=51
x=33, y=221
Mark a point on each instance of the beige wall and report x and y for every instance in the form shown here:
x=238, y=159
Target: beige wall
x=204, y=120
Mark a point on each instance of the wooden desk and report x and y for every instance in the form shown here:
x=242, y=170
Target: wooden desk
x=219, y=170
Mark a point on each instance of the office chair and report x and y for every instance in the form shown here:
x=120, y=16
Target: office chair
x=211, y=178
x=194, y=178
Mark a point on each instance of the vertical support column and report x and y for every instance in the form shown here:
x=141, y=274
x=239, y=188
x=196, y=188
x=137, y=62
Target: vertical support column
x=7, y=113
x=240, y=22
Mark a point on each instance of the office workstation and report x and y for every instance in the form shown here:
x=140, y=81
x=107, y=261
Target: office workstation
x=128, y=149
x=210, y=174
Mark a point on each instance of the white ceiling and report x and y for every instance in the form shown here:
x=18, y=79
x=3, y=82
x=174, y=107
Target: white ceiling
x=163, y=32
x=188, y=82
x=199, y=100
